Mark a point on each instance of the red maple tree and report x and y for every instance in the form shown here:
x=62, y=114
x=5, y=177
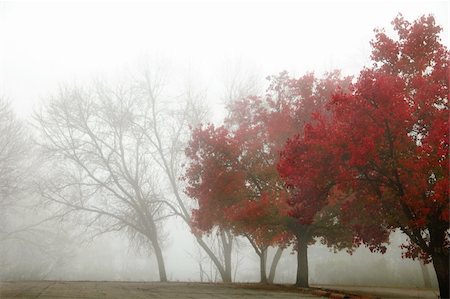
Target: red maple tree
x=385, y=148
x=232, y=172
x=231, y=177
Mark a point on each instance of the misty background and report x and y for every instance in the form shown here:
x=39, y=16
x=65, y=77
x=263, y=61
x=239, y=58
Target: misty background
x=212, y=52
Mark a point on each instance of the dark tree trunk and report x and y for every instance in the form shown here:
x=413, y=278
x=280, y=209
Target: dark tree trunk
x=227, y=243
x=273, y=266
x=262, y=265
x=302, y=262
x=440, y=256
x=262, y=254
x=441, y=266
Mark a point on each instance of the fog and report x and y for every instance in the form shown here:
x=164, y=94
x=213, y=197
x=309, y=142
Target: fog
x=197, y=56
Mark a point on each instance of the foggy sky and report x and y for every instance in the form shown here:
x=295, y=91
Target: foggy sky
x=43, y=44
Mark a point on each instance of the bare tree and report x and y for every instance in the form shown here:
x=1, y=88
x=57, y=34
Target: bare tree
x=167, y=138
x=104, y=168
x=239, y=81
x=12, y=171
x=12, y=150
x=28, y=247
x=120, y=152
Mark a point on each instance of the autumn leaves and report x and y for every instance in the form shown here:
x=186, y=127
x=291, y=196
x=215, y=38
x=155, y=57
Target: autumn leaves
x=359, y=160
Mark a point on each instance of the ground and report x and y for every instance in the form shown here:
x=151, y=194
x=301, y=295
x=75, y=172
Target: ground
x=80, y=289
x=177, y=290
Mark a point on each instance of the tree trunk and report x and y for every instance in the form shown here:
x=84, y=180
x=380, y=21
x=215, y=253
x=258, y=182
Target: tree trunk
x=201, y=271
x=441, y=266
x=262, y=254
x=425, y=275
x=225, y=272
x=227, y=243
x=262, y=265
x=214, y=258
x=160, y=261
x=273, y=266
x=302, y=262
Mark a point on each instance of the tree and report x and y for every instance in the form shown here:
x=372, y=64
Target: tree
x=12, y=152
x=167, y=140
x=304, y=166
x=239, y=81
x=293, y=103
x=224, y=189
x=386, y=147
x=106, y=169
x=232, y=172
x=203, y=171
x=25, y=229
x=404, y=99
x=257, y=214
x=152, y=127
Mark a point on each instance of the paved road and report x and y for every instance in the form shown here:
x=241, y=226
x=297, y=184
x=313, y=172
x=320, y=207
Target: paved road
x=385, y=292
x=64, y=289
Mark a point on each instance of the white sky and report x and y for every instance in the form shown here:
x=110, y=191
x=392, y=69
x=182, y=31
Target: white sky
x=43, y=44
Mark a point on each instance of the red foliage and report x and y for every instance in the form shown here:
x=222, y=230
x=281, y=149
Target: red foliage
x=232, y=172
x=232, y=177
x=383, y=146
x=304, y=169
x=213, y=178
